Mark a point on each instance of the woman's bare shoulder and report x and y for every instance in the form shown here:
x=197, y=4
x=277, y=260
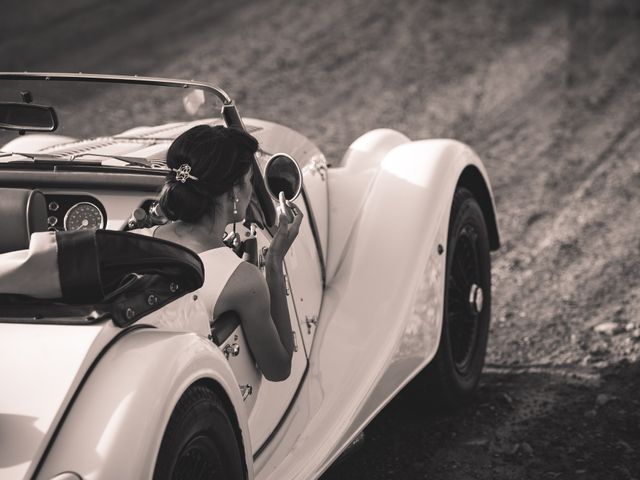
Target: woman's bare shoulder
x=246, y=285
x=247, y=275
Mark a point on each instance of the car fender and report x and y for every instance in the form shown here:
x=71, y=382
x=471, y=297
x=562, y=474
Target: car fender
x=402, y=235
x=382, y=311
x=349, y=185
x=115, y=426
x=41, y=367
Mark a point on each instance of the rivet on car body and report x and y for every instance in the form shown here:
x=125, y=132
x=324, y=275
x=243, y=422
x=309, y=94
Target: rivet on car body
x=440, y=249
x=152, y=299
x=130, y=313
x=173, y=287
x=195, y=297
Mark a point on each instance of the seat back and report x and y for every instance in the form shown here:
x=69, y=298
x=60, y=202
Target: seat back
x=83, y=276
x=22, y=212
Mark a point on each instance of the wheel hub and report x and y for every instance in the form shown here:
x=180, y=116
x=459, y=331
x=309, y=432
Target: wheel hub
x=476, y=299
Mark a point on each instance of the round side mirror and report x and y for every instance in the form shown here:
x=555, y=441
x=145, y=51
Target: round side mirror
x=282, y=174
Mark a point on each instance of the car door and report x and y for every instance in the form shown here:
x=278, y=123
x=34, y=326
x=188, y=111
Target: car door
x=304, y=271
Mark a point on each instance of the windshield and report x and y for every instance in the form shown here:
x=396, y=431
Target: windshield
x=106, y=123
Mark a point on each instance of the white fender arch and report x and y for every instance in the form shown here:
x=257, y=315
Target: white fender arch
x=404, y=223
x=349, y=185
x=116, y=423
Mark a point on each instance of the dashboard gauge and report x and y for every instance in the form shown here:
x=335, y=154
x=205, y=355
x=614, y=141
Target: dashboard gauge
x=83, y=216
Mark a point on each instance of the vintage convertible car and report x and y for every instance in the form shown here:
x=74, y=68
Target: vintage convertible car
x=109, y=367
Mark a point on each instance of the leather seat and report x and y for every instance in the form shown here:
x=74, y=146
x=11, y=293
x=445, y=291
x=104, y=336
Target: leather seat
x=22, y=212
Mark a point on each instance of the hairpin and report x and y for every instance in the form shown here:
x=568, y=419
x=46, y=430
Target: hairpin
x=183, y=173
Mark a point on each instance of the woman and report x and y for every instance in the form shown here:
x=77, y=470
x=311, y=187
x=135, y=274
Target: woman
x=209, y=187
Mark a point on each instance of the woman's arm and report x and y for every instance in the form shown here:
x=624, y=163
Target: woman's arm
x=262, y=306
x=279, y=309
x=268, y=334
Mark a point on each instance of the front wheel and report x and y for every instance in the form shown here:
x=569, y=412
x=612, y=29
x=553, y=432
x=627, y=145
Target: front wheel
x=200, y=442
x=453, y=374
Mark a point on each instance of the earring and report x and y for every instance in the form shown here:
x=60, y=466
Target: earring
x=235, y=205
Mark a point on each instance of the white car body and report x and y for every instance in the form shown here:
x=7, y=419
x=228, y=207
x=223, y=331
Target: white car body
x=366, y=288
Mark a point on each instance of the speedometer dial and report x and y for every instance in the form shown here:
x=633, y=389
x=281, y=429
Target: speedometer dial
x=83, y=216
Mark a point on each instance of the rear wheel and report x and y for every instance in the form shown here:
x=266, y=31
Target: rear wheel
x=454, y=373
x=200, y=442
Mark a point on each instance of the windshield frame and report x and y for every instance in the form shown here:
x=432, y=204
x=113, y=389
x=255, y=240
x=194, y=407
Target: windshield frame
x=229, y=111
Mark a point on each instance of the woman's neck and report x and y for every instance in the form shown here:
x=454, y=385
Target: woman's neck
x=199, y=236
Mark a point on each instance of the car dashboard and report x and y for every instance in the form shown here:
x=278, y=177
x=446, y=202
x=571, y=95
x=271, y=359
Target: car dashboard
x=85, y=199
x=70, y=210
x=74, y=212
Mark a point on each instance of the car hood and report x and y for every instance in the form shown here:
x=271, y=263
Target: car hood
x=41, y=367
x=147, y=144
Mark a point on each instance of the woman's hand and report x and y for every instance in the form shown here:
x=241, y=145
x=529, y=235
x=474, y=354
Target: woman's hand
x=289, y=220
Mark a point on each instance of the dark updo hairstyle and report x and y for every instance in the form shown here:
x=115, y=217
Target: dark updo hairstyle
x=218, y=156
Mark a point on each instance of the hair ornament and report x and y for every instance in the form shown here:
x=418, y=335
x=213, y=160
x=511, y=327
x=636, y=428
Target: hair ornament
x=183, y=173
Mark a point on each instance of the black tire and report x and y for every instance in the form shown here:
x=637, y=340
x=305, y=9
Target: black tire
x=453, y=375
x=200, y=442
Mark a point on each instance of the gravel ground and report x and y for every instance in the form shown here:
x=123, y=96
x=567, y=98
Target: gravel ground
x=547, y=92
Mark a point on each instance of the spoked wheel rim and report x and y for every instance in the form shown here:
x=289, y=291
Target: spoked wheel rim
x=199, y=460
x=465, y=299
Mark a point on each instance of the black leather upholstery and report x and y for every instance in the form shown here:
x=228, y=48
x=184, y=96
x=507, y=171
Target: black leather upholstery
x=95, y=263
x=22, y=212
x=107, y=274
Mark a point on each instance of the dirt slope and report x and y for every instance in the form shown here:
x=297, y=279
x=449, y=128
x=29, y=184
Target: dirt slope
x=547, y=92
